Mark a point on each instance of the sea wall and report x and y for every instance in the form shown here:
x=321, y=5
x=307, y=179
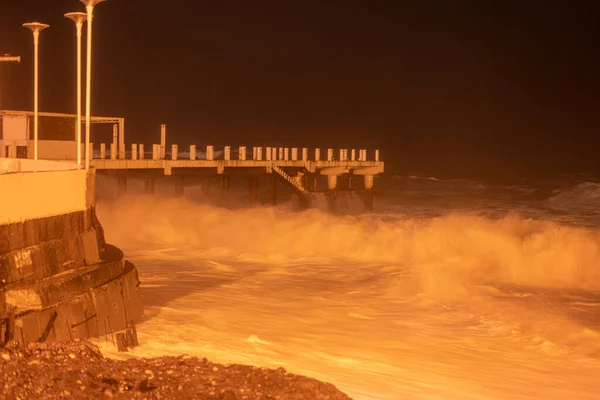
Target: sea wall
x=59, y=280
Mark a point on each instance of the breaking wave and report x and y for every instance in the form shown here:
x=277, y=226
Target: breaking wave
x=582, y=197
x=453, y=249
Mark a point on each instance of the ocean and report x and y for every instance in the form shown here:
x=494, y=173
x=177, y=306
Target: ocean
x=450, y=289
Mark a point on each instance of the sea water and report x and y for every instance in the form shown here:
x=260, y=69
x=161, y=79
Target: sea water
x=451, y=289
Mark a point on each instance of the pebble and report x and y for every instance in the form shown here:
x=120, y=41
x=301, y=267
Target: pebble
x=6, y=356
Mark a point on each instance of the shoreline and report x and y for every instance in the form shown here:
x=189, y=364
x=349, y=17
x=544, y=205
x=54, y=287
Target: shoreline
x=77, y=369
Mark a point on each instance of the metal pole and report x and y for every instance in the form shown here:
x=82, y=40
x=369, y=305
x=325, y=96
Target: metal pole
x=36, y=28
x=79, y=18
x=36, y=42
x=89, y=6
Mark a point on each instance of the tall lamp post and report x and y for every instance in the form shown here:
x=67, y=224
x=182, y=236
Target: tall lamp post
x=89, y=6
x=79, y=18
x=36, y=28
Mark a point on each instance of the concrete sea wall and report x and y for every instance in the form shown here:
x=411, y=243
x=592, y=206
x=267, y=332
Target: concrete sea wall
x=59, y=280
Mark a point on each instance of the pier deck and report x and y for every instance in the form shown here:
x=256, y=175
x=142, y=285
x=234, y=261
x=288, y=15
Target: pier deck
x=292, y=166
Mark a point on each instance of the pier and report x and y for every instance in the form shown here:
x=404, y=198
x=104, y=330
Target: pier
x=304, y=171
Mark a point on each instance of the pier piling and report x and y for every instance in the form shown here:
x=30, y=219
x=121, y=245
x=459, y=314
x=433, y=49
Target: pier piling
x=149, y=184
x=121, y=186
x=179, y=186
x=273, y=188
x=253, y=183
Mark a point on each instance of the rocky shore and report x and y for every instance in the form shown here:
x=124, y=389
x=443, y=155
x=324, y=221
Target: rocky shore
x=78, y=370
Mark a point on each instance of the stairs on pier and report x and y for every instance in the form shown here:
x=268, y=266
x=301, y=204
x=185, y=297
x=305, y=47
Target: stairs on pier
x=294, y=181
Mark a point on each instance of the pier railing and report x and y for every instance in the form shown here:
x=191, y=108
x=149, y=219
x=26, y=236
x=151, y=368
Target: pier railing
x=241, y=153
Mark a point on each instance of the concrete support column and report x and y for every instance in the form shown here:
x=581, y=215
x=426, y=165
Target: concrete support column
x=368, y=194
x=317, y=154
x=210, y=153
x=286, y=154
x=113, y=151
x=163, y=141
x=90, y=154
x=254, y=152
x=121, y=186
x=192, y=152
x=331, y=182
x=268, y=153
x=134, y=151
x=13, y=150
x=329, y=154
x=205, y=185
x=259, y=155
x=174, y=152
x=305, y=154
x=342, y=158
x=295, y=154
x=353, y=155
x=274, y=154
x=141, y=151
x=253, y=185
x=156, y=151
x=376, y=155
x=273, y=188
x=242, y=153
x=227, y=153
x=345, y=182
x=280, y=155
x=102, y=151
x=179, y=186
x=225, y=182
x=149, y=185
x=306, y=181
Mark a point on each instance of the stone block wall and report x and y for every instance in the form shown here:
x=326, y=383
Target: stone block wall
x=59, y=280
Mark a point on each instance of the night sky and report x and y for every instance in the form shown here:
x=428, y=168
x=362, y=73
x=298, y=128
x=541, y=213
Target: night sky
x=447, y=88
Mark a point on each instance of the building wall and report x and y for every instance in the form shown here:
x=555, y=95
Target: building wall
x=29, y=195
x=14, y=127
x=54, y=150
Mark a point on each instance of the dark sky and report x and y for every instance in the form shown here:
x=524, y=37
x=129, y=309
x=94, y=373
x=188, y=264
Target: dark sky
x=446, y=87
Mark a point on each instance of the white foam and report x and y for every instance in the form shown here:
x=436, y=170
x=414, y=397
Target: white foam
x=456, y=307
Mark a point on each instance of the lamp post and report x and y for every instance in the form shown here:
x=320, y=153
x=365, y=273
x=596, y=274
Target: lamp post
x=79, y=18
x=36, y=28
x=89, y=6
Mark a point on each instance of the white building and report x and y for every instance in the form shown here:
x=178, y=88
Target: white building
x=56, y=134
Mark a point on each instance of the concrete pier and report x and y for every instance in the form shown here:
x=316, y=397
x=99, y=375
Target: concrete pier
x=293, y=167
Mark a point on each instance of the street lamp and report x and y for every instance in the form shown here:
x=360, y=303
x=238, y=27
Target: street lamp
x=89, y=6
x=36, y=28
x=79, y=18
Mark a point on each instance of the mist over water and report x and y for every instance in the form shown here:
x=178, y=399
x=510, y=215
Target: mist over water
x=451, y=289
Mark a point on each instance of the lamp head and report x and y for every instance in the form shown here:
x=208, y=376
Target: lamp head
x=91, y=3
x=77, y=17
x=36, y=26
